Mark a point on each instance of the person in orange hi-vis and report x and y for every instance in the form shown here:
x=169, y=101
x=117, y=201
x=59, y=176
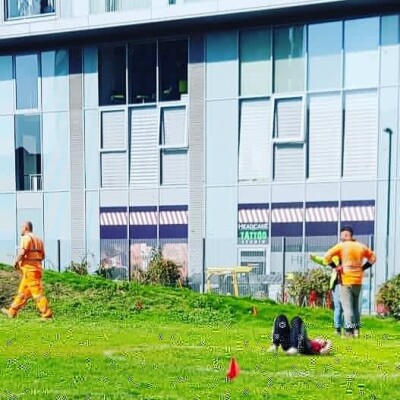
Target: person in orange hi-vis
x=352, y=254
x=29, y=262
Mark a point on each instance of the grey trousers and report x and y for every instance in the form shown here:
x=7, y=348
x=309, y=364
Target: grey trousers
x=350, y=299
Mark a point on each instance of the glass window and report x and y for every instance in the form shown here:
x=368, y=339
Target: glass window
x=255, y=62
x=361, y=41
x=289, y=50
x=25, y=8
x=143, y=73
x=288, y=118
x=28, y=152
x=325, y=56
x=112, y=76
x=390, y=60
x=173, y=66
x=55, y=80
x=27, y=73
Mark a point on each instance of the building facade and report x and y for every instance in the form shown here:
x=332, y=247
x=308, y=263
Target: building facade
x=148, y=122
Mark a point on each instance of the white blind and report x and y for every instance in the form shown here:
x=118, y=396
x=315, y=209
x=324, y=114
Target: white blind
x=288, y=118
x=254, y=140
x=289, y=162
x=113, y=130
x=325, y=132
x=361, y=134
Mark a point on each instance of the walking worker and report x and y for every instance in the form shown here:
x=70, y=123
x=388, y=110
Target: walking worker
x=29, y=262
x=352, y=254
x=334, y=285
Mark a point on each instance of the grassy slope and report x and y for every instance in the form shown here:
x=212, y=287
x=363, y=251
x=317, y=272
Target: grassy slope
x=179, y=346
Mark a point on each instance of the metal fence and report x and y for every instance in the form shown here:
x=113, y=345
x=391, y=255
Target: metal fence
x=271, y=262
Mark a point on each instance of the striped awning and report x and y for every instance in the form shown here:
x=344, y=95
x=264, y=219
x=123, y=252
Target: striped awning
x=247, y=216
x=312, y=214
x=144, y=218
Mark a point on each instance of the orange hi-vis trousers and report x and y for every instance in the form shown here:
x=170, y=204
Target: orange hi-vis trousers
x=31, y=286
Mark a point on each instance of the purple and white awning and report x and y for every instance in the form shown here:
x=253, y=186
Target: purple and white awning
x=312, y=214
x=143, y=218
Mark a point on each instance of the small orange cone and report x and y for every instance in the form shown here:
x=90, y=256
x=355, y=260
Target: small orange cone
x=233, y=370
x=255, y=311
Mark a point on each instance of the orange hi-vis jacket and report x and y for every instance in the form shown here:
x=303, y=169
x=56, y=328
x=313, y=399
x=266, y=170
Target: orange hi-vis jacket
x=352, y=254
x=34, y=253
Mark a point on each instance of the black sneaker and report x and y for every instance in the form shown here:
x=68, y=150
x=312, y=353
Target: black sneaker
x=338, y=331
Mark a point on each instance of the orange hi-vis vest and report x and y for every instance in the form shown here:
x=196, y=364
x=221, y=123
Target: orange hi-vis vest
x=352, y=255
x=34, y=252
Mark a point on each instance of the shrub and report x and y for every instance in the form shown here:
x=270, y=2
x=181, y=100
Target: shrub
x=303, y=283
x=389, y=296
x=81, y=268
x=161, y=271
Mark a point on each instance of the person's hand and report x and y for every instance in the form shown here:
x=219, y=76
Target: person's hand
x=339, y=269
x=16, y=266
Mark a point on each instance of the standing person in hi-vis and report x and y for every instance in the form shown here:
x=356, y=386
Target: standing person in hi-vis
x=352, y=255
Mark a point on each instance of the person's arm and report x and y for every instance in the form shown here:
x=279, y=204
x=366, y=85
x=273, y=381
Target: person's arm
x=332, y=252
x=317, y=259
x=371, y=258
x=21, y=252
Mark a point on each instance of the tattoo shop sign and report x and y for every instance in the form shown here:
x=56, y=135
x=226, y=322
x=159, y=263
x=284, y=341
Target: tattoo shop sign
x=253, y=233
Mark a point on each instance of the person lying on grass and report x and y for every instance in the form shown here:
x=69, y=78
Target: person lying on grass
x=293, y=338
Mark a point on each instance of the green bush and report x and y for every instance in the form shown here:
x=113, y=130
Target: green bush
x=303, y=283
x=81, y=268
x=161, y=271
x=389, y=296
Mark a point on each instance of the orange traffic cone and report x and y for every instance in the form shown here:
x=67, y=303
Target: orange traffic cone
x=255, y=311
x=233, y=370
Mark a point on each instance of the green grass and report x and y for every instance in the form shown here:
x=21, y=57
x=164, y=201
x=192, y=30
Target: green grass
x=178, y=346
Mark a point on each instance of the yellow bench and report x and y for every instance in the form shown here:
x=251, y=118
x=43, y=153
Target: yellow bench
x=220, y=271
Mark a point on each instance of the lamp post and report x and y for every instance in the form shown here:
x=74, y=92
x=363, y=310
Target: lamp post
x=389, y=132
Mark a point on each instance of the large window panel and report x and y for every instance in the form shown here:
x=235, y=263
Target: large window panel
x=289, y=162
x=112, y=75
x=173, y=69
x=31, y=8
x=325, y=56
x=56, y=151
x=90, y=78
x=8, y=231
x=255, y=62
x=390, y=55
x=55, y=80
x=174, y=167
x=221, y=65
x=33, y=214
x=173, y=127
x=289, y=59
x=288, y=119
x=325, y=134
x=361, y=134
x=143, y=73
x=361, y=43
x=113, y=132
x=57, y=226
x=27, y=75
x=254, y=140
x=144, y=147
x=114, y=170
x=6, y=85
x=28, y=152
x=222, y=142
x=7, y=161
